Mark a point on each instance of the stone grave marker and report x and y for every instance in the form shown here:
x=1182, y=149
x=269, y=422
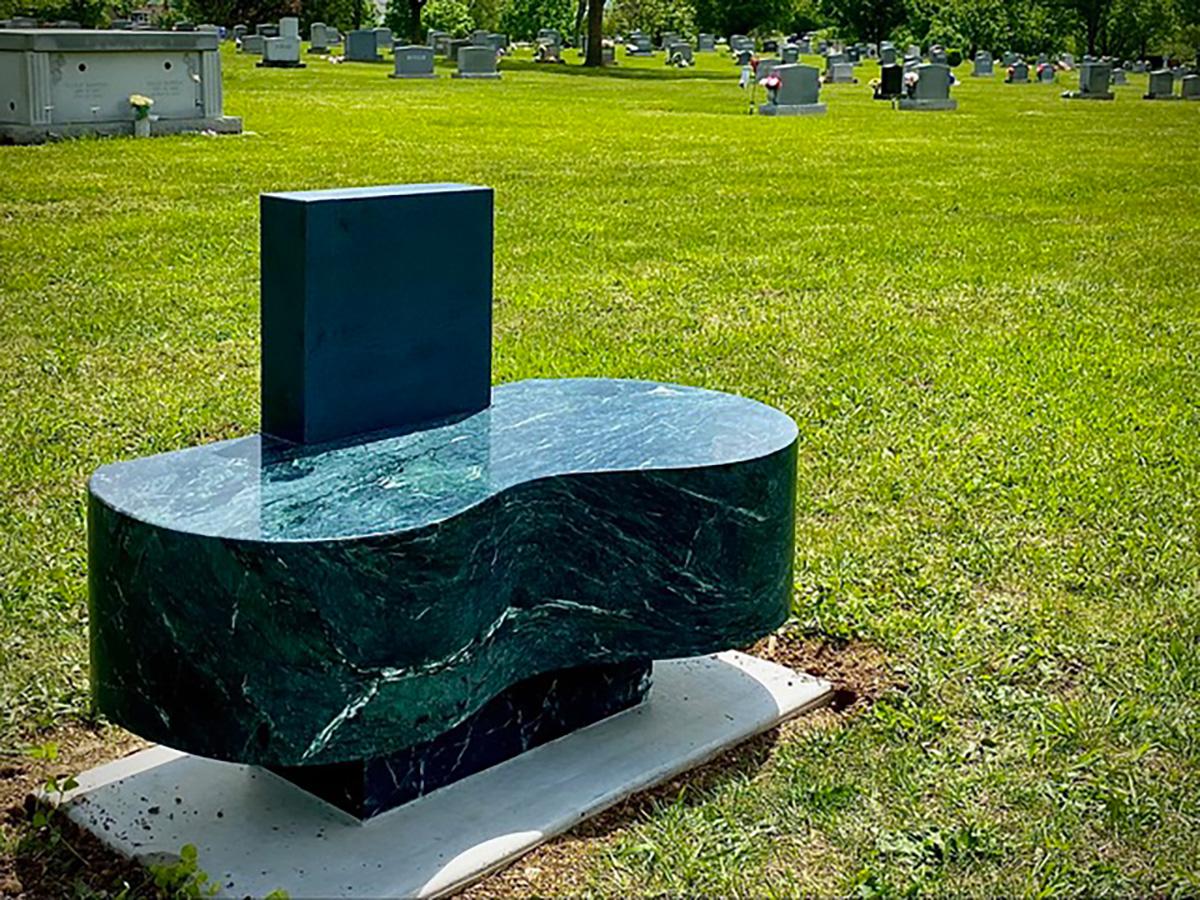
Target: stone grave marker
x=252, y=44
x=477, y=63
x=984, y=66
x=891, y=83
x=742, y=57
x=841, y=73
x=1009, y=59
x=296, y=602
x=283, y=52
x=799, y=93
x=267, y=29
x=705, y=43
x=931, y=91
x=1161, y=86
x=383, y=39
x=639, y=45
x=413, y=61
x=1018, y=73
x=887, y=55
x=1046, y=73
x=1190, y=87
x=318, y=38
x=68, y=83
x=1095, y=78
x=1119, y=78
x=789, y=54
x=481, y=38
x=765, y=67
x=679, y=53
x=362, y=46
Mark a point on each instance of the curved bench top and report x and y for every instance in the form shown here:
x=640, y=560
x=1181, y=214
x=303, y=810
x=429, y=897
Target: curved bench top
x=258, y=489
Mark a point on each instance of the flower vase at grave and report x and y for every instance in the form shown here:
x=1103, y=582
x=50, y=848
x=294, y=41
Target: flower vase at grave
x=141, y=127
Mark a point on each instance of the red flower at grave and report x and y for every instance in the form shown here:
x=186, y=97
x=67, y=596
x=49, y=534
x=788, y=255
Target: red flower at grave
x=772, y=82
x=754, y=63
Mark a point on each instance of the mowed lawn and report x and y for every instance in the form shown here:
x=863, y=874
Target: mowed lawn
x=984, y=322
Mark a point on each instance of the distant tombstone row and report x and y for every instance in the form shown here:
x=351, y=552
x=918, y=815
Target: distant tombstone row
x=798, y=92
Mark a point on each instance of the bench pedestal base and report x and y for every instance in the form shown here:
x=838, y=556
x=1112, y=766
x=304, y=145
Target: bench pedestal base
x=256, y=832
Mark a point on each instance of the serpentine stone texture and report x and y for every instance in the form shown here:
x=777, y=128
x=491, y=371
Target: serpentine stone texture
x=261, y=602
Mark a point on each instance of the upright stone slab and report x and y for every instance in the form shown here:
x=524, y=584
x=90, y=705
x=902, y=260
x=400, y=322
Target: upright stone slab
x=252, y=44
x=1018, y=73
x=765, y=67
x=477, y=63
x=705, y=43
x=318, y=38
x=799, y=93
x=410, y=576
x=887, y=55
x=1046, y=73
x=1119, y=77
x=1162, y=86
x=343, y=356
x=984, y=66
x=283, y=52
x=789, y=54
x=383, y=39
x=68, y=83
x=1190, y=87
x=639, y=45
x=362, y=46
x=891, y=83
x=1095, y=78
x=931, y=91
x=413, y=62
x=841, y=73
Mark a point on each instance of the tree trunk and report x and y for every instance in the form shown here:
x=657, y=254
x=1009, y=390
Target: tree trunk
x=595, y=50
x=414, y=15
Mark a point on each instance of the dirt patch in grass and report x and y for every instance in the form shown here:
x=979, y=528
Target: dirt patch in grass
x=35, y=865
x=31, y=864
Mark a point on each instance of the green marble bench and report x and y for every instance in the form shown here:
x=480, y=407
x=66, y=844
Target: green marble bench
x=375, y=614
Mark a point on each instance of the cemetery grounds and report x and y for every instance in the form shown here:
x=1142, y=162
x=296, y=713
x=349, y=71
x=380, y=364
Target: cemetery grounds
x=984, y=323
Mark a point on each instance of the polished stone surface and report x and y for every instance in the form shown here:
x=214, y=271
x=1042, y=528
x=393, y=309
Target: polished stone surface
x=534, y=712
x=255, y=833
x=376, y=308
x=260, y=602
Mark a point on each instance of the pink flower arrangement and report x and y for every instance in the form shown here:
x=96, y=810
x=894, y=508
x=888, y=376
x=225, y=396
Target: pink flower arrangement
x=772, y=82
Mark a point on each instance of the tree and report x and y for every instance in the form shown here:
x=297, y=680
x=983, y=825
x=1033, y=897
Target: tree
x=523, y=19
x=866, y=20
x=741, y=16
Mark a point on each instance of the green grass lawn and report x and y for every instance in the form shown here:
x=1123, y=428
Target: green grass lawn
x=984, y=322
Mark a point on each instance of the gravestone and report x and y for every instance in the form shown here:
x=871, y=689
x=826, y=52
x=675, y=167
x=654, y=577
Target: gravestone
x=742, y=57
x=740, y=42
x=455, y=45
x=765, y=67
x=789, y=54
x=931, y=90
x=179, y=26
x=548, y=50
x=937, y=54
x=1161, y=86
x=1119, y=78
x=318, y=38
x=911, y=63
x=252, y=44
x=984, y=65
x=799, y=94
x=639, y=45
x=239, y=32
x=439, y=41
x=283, y=52
x=891, y=83
x=411, y=576
x=705, y=43
x=667, y=38
x=679, y=53
x=1009, y=59
x=267, y=29
x=383, y=39
x=68, y=83
x=1190, y=87
x=1046, y=73
x=1068, y=59
x=1095, y=78
x=499, y=42
x=1018, y=73
x=362, y=46
x=481, y=38
x=477, y=63
x=841, y=73
x=414, y=62
x=887, y=55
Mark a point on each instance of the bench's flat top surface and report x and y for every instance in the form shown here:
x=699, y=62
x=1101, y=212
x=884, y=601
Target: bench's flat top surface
x=257, y=489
